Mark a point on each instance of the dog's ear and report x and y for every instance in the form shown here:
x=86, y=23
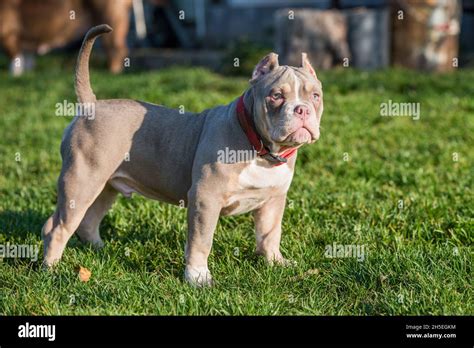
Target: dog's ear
x=267, y=64
x=307, y=65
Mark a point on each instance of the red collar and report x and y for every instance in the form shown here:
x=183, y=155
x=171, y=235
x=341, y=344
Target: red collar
x=248, y=127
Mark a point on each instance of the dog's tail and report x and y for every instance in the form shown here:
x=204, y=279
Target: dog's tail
x=83, y=85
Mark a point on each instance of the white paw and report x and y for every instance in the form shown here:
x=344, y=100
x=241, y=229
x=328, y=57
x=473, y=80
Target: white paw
x=49, y=263
x=286, y=263
x=198, y=276
x=279, y=260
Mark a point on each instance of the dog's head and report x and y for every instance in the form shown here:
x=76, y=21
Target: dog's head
x=287, y=102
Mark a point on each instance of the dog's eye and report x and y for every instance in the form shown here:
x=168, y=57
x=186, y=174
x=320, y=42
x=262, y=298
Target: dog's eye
x=316, y=97
x=277, y=96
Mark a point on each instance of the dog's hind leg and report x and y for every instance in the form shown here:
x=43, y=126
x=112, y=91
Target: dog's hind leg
x=78, y=188
x=88, y=230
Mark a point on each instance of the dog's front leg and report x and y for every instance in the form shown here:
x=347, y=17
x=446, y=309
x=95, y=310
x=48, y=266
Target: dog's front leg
x=268, y=230
x=203, y=214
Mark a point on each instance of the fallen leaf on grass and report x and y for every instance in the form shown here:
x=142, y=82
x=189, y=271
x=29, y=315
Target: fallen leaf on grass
x=84, y=274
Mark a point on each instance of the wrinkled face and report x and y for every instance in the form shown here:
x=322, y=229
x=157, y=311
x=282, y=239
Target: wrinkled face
x=288, y=103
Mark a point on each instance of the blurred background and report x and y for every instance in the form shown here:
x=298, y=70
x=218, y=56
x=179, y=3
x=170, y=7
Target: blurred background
x=429, y=35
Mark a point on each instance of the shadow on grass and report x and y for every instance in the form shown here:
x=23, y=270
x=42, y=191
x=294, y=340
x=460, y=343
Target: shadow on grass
x=24, y=227
x=20, y=225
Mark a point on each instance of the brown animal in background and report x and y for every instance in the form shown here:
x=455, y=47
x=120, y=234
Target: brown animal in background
x=322, y=34
x=32, y=26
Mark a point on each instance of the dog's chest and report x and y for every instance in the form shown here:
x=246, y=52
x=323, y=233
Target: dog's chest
x=256, y=184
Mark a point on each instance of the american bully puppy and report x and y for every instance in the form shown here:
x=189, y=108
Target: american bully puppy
x=136, y=147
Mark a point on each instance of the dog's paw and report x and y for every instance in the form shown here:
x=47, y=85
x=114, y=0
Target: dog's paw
x=48, y=264
x=198, y=276
x=96, y=244
x=282, y=262
x=279, y=260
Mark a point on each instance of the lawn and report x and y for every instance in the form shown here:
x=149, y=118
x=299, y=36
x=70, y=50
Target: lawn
x=402, y=188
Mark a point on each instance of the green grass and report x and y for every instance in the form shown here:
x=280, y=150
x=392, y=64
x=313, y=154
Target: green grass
x=419, y=256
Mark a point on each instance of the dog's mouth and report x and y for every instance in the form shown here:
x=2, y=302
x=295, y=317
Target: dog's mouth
x=300, y=136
